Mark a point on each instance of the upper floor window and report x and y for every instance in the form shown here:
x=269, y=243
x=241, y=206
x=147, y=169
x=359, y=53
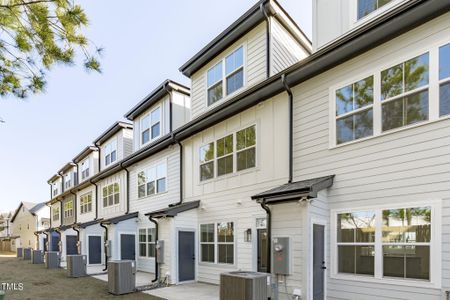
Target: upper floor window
x=444, y=80
x=366, y=7
x=234, y=152
x=111, y=195
x=110, y=152
x=55, y=213
x=354, y=111
x=67, y=180
x=151, y=126
x=68, y=209
x=85, y=169
x=401, y=244
x=55, y=189
x=226, y=77
x=152, y=181
x=86, y=203
x=404, y=93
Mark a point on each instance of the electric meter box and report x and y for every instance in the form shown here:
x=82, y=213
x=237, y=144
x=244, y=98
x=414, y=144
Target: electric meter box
x=160, y=251
x=281, y=255
x=108, y=248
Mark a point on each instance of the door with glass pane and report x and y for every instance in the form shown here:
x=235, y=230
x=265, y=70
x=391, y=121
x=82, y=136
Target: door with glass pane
x=262, y=250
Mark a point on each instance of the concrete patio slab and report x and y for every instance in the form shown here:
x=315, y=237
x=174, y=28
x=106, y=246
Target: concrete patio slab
x=197, y=291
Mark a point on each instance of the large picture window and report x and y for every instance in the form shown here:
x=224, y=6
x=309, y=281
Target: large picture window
x=354, y=111
x=404, y=93
x=398, y=240
x=226, y=77
x=226, y=154
x=151, y=126
x=217, y=238
x=152, y=181
x=111, y=195
x=147, y=242
x=366, y=7
x=444, y=80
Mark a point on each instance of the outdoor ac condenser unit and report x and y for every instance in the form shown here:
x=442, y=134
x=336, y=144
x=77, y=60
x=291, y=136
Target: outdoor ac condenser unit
x=76, y=266
x=52, y=259
x=27, y=254
x=19, y=252
x=121, y=277
x=37, y=257
x=243, y=286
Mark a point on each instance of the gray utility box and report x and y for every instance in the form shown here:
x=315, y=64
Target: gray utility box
x=160, y=251
x=243, y=286
x=19, y=252
x=27, y=254
x=52, y=259
x=37, y=257
x=281, y=255
x=76, y=266
x=121, y=277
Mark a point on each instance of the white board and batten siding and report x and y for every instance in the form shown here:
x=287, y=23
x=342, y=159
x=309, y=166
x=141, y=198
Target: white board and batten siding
x=228, y=198
x=285, y=50
x=254, y=43
x=403, y=166
x=124, y=139
x=88, y=216
x=116, y=209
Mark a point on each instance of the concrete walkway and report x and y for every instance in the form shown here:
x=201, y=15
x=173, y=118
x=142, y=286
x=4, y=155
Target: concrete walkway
x=197, y=291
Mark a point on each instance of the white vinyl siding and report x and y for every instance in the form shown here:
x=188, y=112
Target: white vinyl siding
x=402, y=166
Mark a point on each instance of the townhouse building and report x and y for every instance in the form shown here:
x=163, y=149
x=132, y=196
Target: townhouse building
x=323, y=163
x=27, y=219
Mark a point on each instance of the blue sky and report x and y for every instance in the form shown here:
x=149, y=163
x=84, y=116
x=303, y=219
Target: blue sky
x=148, y=45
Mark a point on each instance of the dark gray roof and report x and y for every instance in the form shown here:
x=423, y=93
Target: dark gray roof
x=37, y=207
x=90, y=223
x=249, y=20
x=156, y=95
x=121, y=218
x=85, y=152
x=66, y=167
x=296, y=190
x=116, y=127
x=172, y=211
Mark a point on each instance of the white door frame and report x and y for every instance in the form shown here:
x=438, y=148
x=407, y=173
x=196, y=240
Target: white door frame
x=323, y=222
x=196, y=252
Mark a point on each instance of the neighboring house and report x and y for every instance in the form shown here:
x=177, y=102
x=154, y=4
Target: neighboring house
x=5, y=224
x=27, y=219
x=328, y=169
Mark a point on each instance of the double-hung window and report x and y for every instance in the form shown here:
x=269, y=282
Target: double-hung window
x=55, y=213
x=111, y=195
x=147, y=242
x=67, y=180
x=152, y=181
x=222, y=154
x=207, y=162
x=55, y=189
x=225, y=80
x=354, y=111
x=85, y=169
x=217, y=242
x=151, y=126
x=444, y=80
x=404, y=93
x=366, y=7
x=86, y=203
x=110, y=152
x=68, y=209
x=397, y=240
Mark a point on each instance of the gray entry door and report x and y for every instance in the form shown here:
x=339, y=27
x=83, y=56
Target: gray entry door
x=71, y=245
x=318, y=262
x=54, y=242
x=95, y=250
x=186, y=255
x=127, y=247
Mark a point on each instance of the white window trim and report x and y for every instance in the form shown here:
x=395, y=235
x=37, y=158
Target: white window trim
x=435, y=245
x=146, y=243
x=69, y=212
x=149, y=114
x=235, y=151
x=373, y=15
x=153, y=166
x=107, y=152
x=433, y=93
x=55, y=212
x=84, y=211
x=226, y=97
x=83, y=168
x=67, y=183
x=216, y=245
